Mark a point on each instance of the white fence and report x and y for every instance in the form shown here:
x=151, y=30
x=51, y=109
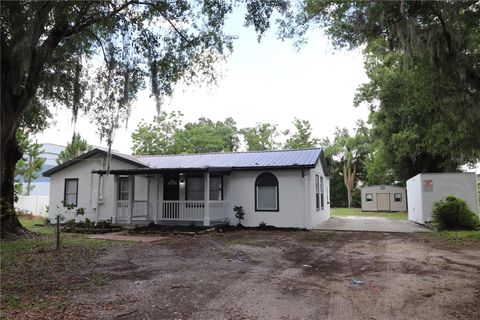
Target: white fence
x=34, y=204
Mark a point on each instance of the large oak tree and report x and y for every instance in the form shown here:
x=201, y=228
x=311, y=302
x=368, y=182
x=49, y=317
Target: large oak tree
x=94, y=56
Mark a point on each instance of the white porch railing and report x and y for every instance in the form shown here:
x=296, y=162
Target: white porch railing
x=140, y=209
x=123, y=209
x=190, y=210
x=181, y=210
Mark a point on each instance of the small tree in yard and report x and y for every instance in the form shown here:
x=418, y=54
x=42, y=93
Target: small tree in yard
x=239, y=214
x=60, y=217
x=454, y=213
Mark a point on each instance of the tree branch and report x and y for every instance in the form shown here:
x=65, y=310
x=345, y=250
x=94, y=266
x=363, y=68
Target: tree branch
x=168, y=20
x=100, y=43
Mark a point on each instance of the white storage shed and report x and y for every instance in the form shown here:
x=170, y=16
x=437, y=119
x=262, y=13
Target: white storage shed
x=425, y=189
x=383, y=198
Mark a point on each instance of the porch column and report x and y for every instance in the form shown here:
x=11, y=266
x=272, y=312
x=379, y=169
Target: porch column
x=131, y=195
x=115, y=198
x=206, y=197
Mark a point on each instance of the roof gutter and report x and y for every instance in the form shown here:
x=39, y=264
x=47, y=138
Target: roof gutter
x=200, y=169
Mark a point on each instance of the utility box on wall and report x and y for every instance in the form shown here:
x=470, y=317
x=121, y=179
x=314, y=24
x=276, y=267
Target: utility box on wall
x=425, y=189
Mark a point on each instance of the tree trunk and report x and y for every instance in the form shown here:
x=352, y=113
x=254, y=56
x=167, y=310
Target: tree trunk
x=349, y=181
x=10, y=154
x=349, y=197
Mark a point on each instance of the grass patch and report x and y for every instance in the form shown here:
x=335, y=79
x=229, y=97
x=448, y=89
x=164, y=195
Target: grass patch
x=36, y=277
x=30, y=224
x=357, y=212
x=475, y=234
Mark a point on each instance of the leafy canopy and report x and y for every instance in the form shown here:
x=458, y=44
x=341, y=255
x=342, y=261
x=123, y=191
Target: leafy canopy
x=302, y=136
x=167, y=136
x=74, y=149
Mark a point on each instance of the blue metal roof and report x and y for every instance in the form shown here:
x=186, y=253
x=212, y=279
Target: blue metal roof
x=236, y=160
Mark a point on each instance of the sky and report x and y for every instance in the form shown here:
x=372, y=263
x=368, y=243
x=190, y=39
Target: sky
x=270, y=81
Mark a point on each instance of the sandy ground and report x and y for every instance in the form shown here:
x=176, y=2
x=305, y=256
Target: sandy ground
x=287, y=275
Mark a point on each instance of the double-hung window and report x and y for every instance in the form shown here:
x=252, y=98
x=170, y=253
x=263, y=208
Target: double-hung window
x=70, y=195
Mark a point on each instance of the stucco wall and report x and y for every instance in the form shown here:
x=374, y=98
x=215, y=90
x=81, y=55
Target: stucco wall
x=239, y=190
x=320, y=215
x=461, y=185
x=88, y=189
x=390, y=190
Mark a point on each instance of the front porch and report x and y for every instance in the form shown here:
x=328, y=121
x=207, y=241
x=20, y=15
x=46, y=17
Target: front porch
x=170, y=199
x=166, y=212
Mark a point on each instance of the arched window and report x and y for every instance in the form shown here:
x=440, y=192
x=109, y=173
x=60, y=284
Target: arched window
x=266, y=192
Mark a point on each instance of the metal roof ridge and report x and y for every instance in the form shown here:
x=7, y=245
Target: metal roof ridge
x=228, y=152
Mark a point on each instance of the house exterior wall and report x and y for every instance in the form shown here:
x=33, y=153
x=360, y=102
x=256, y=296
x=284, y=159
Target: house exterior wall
x=239, y=190
x=395, y=206
x=318, y=216
x=297, y=207
x=92, y=196
x=429, y=188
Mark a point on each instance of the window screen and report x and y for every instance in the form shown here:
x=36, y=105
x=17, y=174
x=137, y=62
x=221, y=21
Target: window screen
x=322, y=196
x=266, y=192
x=123, y=189
x=216, y=188
x=70, y=196
x=397, y=197
x=195, y=188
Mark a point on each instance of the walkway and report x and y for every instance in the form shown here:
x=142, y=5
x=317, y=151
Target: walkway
x=370, y=225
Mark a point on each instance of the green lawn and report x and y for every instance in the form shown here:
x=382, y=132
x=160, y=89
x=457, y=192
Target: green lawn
x=459, y=234
x=357, y=212
x=45, y=241
x=30, y=224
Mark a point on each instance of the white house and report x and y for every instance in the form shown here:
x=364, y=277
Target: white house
x=384, y=198
x=427, y=188
x=285, y=188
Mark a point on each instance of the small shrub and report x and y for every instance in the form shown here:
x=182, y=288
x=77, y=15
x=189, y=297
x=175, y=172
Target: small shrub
x=88, y=223
x=71, y=223
x=454, y=213
x=262, y=225
x=239, y=214
x=103, y=225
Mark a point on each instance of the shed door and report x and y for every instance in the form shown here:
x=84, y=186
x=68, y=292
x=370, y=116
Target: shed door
x=383, y=201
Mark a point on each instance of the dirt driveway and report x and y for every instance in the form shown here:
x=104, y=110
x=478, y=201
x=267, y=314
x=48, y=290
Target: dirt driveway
x=287, y=275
